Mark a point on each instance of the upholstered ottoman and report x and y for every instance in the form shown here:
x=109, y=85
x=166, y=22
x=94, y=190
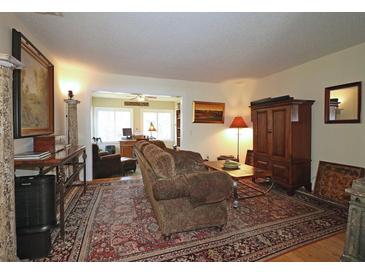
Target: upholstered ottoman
x=128, y=164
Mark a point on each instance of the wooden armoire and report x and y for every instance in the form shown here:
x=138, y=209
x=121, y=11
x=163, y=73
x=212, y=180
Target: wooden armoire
x=282, y=140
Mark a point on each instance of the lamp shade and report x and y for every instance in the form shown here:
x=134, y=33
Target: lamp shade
x=238, y=122
x=152, y=127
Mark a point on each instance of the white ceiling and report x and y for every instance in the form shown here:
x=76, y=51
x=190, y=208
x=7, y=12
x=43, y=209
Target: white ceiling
x=209, y=47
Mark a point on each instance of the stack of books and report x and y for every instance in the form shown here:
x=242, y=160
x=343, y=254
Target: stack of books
x=229, y=164
x=31, y=155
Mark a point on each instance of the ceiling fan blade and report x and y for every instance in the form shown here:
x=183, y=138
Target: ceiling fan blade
x=59, y=14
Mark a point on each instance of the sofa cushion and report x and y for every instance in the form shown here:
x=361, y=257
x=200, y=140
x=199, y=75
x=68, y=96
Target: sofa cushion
x=161, y=162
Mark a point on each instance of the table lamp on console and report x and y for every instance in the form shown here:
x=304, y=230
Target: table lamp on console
x=238, y=122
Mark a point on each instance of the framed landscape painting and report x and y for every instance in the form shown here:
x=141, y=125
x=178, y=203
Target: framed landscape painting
x=208, y=112
x=33, y=88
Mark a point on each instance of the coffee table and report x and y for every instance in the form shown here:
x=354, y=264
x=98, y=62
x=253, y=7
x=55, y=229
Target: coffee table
x=243, y=172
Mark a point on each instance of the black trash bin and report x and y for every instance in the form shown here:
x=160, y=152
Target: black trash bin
x=35, y=211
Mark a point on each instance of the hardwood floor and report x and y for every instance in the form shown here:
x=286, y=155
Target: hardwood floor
x=327, y=250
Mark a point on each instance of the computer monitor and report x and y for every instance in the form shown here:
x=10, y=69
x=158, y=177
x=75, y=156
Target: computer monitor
x=127, y=132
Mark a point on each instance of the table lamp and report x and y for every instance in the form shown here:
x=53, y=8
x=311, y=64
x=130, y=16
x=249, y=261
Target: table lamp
x=150, y=129
x=238, y=122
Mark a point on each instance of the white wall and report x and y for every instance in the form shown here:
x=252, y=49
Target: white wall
x=209, y=139
x=7, y=22
x=340, y=143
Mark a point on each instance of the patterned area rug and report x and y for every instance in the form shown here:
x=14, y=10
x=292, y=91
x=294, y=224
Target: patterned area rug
x=115, y=222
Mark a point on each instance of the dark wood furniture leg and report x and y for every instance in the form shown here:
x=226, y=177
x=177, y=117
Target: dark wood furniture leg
x=84, y=156
x=290, y=192
x=61, y=181
x=308, y=187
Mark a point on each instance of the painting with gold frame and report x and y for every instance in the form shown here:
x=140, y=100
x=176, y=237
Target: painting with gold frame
x=33, y=90
x=208, y=112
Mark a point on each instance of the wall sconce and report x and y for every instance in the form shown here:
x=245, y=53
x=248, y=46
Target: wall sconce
x=69, y=86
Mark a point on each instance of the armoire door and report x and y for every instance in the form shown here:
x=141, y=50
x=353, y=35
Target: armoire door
x=261, y=141
x=279, y=130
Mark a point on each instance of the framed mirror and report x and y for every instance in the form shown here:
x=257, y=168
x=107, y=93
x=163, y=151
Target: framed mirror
x=343, y=103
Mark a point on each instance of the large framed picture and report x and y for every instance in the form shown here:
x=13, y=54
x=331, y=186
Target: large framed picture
x=208, y=112
x=33, y=90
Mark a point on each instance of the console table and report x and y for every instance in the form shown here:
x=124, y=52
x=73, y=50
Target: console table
x=60, y=161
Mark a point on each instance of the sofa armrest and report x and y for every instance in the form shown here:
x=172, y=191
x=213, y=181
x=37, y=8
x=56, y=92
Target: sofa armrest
x=111, y=157
x=208, y=187
x=171, y=188
x=107, y=166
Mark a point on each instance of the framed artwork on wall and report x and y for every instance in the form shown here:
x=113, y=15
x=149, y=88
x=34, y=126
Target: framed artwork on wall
x=208, y=112
x=33, y=90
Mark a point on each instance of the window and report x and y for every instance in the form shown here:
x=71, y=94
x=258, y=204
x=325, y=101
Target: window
x=162, y=120
x=109, y=123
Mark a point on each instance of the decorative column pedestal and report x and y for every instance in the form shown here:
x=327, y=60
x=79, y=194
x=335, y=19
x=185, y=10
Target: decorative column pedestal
x=72, y=134
x=355, y=234
x=7, y=185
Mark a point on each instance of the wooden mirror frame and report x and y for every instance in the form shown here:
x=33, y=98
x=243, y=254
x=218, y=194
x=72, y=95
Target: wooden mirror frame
x=327, y=102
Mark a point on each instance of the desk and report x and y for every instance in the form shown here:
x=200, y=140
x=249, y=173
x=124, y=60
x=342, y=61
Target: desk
x=244, y=172
x=126, y=147
x=59, y=161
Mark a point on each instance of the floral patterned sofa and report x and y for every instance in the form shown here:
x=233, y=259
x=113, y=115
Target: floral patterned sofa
x=183, y=193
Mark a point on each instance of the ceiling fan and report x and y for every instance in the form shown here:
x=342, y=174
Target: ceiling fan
x=142, y=97
x=59, y=14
